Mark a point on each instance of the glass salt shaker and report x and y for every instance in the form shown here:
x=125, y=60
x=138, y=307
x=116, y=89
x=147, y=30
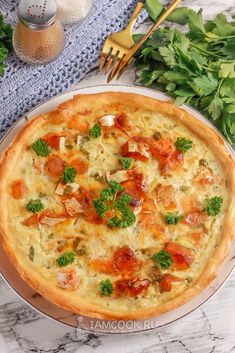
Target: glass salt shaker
x=73, y=11
x=39, y=35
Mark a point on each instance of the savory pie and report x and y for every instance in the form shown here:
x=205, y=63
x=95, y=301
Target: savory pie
x=117, y=205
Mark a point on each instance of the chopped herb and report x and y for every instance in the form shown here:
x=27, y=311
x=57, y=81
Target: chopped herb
x=41, y=148
x=203, y=163
x=157, y=136
x=66, y=258
x=35, y=206
x=69, y=175
x=173, y=218
x=185, y=187
x=213, y=205
x=183, y=145
x=106, y=288
x=67, y=190
x=69, y=147
x=31, y=253
x=126, y=162
x=42, y=194
x=95, y=131
x=163, y=259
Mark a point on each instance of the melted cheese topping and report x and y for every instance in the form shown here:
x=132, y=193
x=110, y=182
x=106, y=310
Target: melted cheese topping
x=92, y=241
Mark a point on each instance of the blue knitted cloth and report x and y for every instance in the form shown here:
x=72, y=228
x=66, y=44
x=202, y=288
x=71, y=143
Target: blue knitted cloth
x=23, y=86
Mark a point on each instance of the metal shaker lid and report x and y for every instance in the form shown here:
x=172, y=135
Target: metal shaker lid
x=37, y=14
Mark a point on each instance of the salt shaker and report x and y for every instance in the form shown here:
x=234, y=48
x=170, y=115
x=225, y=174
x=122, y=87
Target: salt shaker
x=73, y=11
x=39, y=35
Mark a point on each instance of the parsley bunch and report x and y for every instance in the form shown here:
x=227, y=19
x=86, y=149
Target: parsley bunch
x=173, y=218
x=5, y=43
x=213, y=205
x=65, y=259
x=196, y=67
x=35, y=206
x=163, y=259
x=124, y=216
x=106, y=287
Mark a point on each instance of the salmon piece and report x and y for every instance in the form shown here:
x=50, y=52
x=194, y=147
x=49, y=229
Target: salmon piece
x=194, y=218
x=19, y=189
x=126, y=126
x=132, y=287
x=103, y=266
x=67, y=279
x=165, y=283
x=125, y=261
x=55, y=165
x=53, y=141
x=75, y=122
x=161, y=148
x=136, y=148
x=81, y=165
x=166, y=196
x=204, y=177
x=31, y=221
x=182, y=256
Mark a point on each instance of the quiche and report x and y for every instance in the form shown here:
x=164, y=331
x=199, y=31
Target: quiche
x=116, y=205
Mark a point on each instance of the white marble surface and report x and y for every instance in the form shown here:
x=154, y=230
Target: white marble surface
x=209, y=329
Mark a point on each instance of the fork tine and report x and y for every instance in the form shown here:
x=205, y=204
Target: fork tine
x=109, y=63
x=102, y=61
x=115, y=68
x=106, y=53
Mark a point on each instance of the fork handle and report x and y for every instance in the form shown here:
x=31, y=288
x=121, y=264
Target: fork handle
x=135, y=15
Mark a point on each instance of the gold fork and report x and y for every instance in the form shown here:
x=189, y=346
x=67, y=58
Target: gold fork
x=128, y=57
x=118, y=44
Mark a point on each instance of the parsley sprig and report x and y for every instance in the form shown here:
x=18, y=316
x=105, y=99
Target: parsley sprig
x=106, y=288
x=5, y=43
x=95, y=131
x=213, y=205
x=35, y=206
x=163, y=258
x=124, y=216
x=196, y=66
x=41, y=148
x=173, y=218
x=69, y=175
x=65, y=259
x=125, y=162
x=183, y=145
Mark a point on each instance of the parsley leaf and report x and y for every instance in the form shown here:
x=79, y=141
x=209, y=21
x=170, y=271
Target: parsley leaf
x=163, y=259
x=115, y=187
x=213, y=205
x=35, y=206
x=183, y=145
x=95, y=131
x=125, y=162
x=69, y=175
x=106, y=287
x=66, y=258
x=41, y=148
x=100, y=207
x=173, y=218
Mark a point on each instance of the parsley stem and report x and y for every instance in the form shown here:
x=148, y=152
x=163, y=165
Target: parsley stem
x=206, y=51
